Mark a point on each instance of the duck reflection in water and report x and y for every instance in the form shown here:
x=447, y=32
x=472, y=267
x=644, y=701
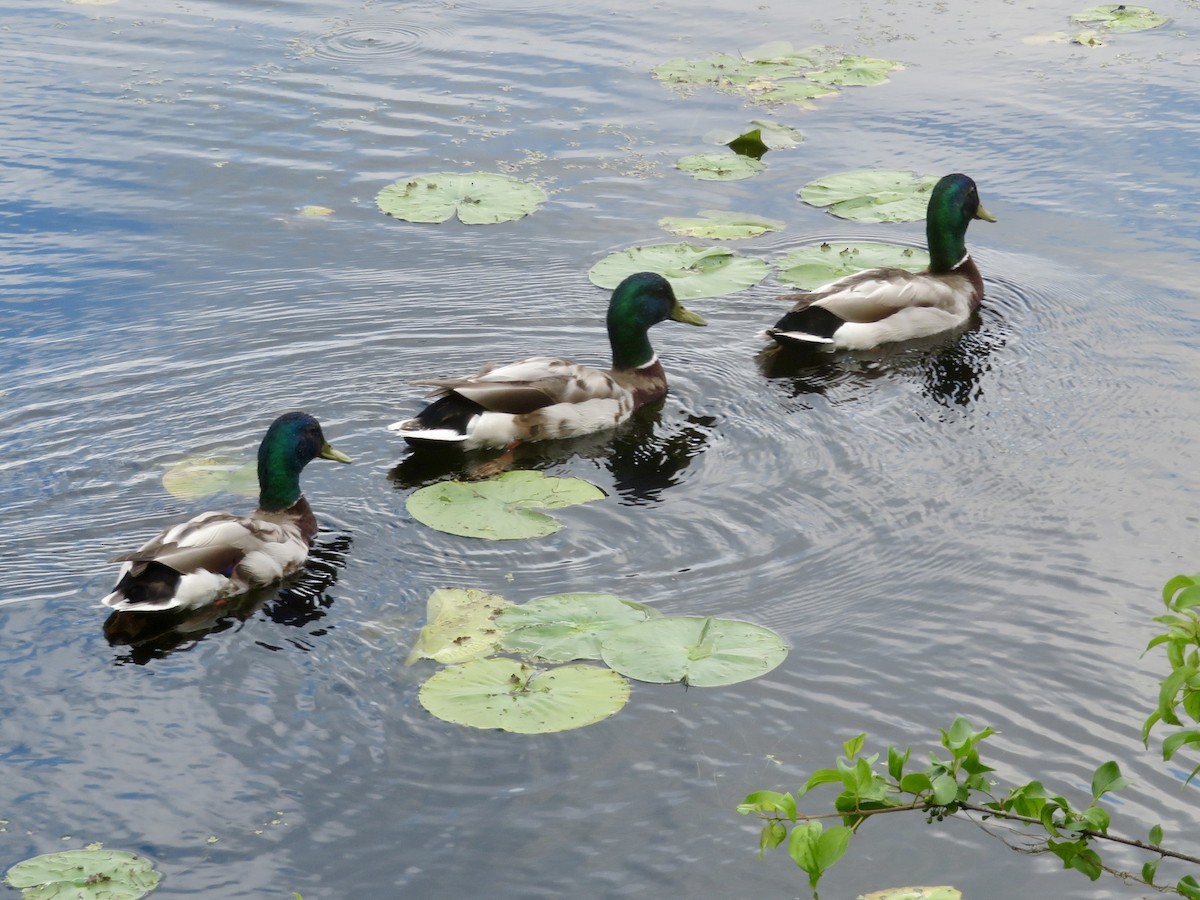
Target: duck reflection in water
x=299, y=603
x=951, y=367
x=644, y=457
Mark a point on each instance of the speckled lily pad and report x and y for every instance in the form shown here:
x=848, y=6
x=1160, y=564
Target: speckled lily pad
x=480, y=198
x=693, y=270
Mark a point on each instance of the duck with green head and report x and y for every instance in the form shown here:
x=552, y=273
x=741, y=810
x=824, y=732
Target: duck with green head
x=544, y=398
x=878, y=306
x=218, y=555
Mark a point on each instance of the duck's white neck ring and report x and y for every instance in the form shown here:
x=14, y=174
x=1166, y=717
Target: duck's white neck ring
x=961, y=262
x=652, y=361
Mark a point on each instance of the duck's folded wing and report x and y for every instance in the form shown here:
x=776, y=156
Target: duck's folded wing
x=530, y=384
x=213, y=542
x=878, y=293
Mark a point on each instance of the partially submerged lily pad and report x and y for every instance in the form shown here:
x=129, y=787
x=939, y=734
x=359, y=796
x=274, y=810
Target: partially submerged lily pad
x=791, y=91
x=872, y=195
x=84, y=875
x=720, y=166
x=770, y=134
x=499, y=509
x=514, y=696
x=564, y=627
x=460, y=624
x=693, y=270
x=940, y=892
x=811, y=267
x=856, y=70
x=200, y=476
x=314, y=211
x=1121, y=17
x=477, y=198
x=698, y=650
x=720, y=225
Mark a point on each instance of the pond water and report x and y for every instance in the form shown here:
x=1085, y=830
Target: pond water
x=975, y=527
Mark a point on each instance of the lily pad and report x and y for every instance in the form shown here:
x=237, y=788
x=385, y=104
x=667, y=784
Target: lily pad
x=856, y=70
x=693, y=270
x=514, y=696
x=1121, y=17
x=771, y=134
x=499, y=509
x=698, y=650
x=720, y=166
x=314, y=211
x=200, y=476
x=564, y=627
x=477, y=198
x=872, y=195
x=940, y=892
x=720, y=225
x=460, y=624
x=84, y=875
x=811, y=267
x=791, y=91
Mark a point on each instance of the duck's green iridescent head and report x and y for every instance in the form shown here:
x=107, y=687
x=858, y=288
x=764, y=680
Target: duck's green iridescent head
x=953, y=203
x=291, y=443
x=638, y=303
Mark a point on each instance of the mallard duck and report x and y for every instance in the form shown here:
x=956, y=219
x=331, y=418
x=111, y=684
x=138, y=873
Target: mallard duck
x=878, y=306
x=218, y=555
x=543, y=397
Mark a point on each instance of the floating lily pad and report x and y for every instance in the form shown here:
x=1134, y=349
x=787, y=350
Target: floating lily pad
x=499, y=509
x=811, y=267
x=564, y=627
x=200, y=476
x=477, y=198
x=460, y=624
x=1121, y=17
x=1088, y=39
x=773, y=72
x=693, y=270
x=514, y=696
x=791, y=91
x=720, y=166
x=872, y=195
x=856, y=70
x=84, y=875
x=697, y=650
x=771, y=134
x=941, y=892
x=719, y=225
x=314, y=211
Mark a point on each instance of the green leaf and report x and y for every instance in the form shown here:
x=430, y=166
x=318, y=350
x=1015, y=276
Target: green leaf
x=499, y=509
x=564, y=627
x=84, y=875
x=200, y=476
x=1177, y=740
x=773, y=834
x=945, y=790
x=697, y=650
x=478, y=198
x=772, y=135
x=819, y=777
x=856, y=70
x=769, y=802
x=1149, y=870
x=897, y=761
x=1107, y=778
x=811, y=267
x=720, y=225
x=853, y=745
x=872, y=195
x=749, y=144
x=1121, y=17
x=1174, y=585
x=815, y=850
x=916, y=783
x=693, y=270
x=720, y=166
x=460, y=625
x=1188, y=887
x=1156, y=834
x=1168, y=691
x=514, y=696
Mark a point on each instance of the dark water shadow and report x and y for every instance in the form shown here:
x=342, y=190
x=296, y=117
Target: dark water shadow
x=298, y=603
x=644, y=456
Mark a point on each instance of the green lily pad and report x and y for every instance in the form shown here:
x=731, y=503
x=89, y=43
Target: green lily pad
x=499, y=509
x=720, y=166
x=749, y=144
x=791, y=91
x=1121, y=17
x=460, y=624
x=1088, y=39
x=477, y=198
x=941, y=892
x=872, y=195
x=200, y=476
x=693, y=270
x=84, y=875
x=697, y=650
x=720, y=225
x=694, y=72
x=564, y=627
x=514, y=696
x=811, y=267
x=771, y=134
x=856, y=70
